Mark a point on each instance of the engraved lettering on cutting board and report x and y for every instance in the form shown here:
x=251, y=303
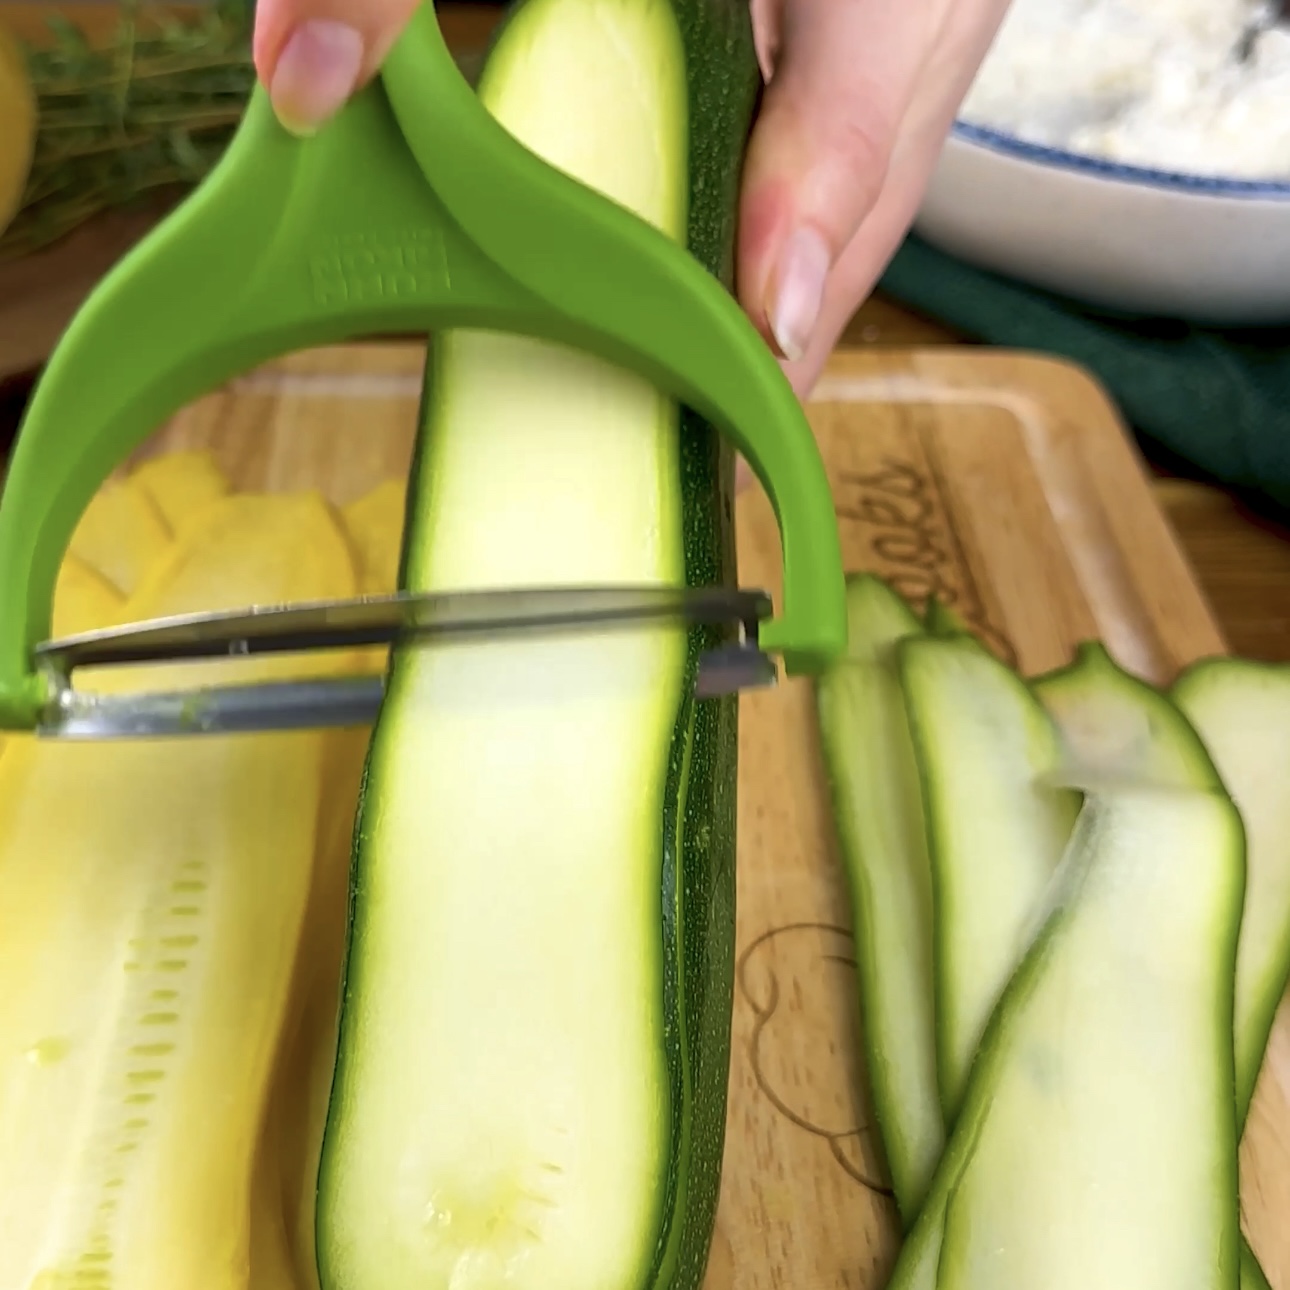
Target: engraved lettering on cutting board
x=901, y=514
x=375, y=266
x=784, y=975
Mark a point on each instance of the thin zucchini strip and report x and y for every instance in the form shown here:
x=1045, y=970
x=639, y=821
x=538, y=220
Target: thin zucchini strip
x=1241, y=710
x=996, y=828
x=877, y=806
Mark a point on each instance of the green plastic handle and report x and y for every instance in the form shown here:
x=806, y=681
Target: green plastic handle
x=413, y=210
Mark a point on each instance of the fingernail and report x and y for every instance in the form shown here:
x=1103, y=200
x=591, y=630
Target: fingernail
x=799, y=291
x=316, y=72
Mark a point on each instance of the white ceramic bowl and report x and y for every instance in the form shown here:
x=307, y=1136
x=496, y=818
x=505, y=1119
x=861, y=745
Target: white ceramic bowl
x=1139, y=241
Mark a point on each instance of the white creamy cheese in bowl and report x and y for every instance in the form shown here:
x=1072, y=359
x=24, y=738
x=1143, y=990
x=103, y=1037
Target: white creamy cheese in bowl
x=1125, y=153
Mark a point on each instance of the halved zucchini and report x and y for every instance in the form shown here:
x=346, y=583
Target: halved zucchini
x=530, y=1086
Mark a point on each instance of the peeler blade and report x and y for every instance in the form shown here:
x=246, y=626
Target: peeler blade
x=403, y=618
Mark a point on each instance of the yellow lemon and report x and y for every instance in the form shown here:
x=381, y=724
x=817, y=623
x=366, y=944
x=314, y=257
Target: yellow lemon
x=17, y=127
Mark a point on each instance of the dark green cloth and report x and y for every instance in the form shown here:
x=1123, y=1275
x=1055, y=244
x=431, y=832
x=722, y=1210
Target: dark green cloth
x=1218, y=400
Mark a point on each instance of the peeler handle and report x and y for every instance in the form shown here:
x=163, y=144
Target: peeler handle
x=411, y=211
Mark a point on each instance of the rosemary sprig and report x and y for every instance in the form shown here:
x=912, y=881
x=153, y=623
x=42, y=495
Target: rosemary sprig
x=151, y=108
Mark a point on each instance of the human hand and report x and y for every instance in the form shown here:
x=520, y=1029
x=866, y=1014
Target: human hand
x=861, y=95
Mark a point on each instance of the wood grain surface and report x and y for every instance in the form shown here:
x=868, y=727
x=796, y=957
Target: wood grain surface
x=1001, y=482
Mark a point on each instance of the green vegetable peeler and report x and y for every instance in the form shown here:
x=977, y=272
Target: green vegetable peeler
x=413, y=210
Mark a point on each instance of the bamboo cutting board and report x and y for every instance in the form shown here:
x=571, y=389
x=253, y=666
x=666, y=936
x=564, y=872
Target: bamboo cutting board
x=1001, y=483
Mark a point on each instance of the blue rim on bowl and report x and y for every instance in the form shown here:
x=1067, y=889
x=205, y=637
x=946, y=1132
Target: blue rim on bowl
x=1175, y=181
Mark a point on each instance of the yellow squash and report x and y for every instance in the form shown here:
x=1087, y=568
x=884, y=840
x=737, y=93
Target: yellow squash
x=374, y=523
x=156, y=894
x=181, y=485
x=84, y=601
x=122, y=535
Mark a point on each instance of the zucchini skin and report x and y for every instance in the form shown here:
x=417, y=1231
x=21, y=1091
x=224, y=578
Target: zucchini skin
x=724, y=85
x=698, y=822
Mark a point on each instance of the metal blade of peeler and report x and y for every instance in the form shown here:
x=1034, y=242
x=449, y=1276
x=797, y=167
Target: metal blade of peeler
x=404, y=618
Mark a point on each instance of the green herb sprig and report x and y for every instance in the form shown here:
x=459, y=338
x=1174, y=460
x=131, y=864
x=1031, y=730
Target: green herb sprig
x=153, y=107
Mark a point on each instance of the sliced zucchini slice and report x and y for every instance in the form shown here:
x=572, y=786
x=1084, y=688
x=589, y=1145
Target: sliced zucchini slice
x=996, y=828
x=877, y=805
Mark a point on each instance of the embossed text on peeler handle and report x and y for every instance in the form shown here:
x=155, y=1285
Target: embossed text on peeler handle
x=413, y=210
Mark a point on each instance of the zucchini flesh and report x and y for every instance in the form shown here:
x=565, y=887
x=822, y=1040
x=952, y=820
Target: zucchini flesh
x=1080, y=1157
x=154, y=942
x=996, y=829
x=530, y=1084
x=877, y=807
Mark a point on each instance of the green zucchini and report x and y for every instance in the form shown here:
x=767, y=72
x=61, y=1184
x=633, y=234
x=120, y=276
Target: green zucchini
x=1080, y=1157
x=1241, y=710
x=996, y=829
x=1107, y=721
x=534, y=1035
x=877, y=806
x=941, y=620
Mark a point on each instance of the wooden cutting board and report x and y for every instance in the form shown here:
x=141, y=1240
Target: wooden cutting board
x=1002, y=483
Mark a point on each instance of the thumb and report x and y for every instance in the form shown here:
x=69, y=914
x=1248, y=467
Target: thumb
x=845, y=75
x=312, y=55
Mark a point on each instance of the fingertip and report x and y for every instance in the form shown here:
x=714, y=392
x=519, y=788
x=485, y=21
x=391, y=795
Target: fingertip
x=312, y=55
x=317, y=70
x=797, y=290
x=784, y=264
x=818, y=158
x=765, y=214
